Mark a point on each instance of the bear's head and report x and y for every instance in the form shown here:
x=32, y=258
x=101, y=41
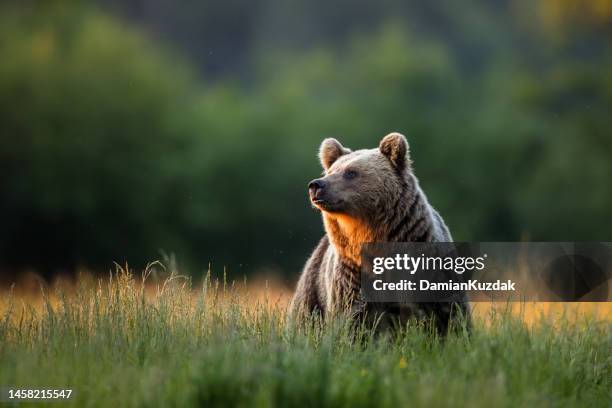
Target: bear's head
x=363, y=194
x=361, y=185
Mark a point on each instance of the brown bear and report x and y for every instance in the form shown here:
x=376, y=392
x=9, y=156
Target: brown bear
x=368, y=195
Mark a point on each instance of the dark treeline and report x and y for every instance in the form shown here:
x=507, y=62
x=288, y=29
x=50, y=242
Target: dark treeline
x=223, y=38
x=133, y=128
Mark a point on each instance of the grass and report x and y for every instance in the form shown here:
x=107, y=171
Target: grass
x=121, y=342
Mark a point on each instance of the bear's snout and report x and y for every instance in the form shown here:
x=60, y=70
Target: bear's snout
x=315, y=189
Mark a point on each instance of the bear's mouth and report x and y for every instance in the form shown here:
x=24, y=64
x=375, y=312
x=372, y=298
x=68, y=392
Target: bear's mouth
x=325, y=205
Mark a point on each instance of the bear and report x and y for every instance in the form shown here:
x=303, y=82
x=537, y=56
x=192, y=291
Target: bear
x=367, y=196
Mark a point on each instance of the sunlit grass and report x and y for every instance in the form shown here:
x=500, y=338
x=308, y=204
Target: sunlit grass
x=146, y=340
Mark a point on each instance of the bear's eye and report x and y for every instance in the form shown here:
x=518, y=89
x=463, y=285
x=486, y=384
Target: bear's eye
x=350, y=174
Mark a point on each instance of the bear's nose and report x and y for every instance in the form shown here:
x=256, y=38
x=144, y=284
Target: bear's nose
x=315, y=185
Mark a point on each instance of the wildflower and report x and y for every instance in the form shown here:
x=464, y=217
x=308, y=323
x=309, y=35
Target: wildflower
x=402, y=363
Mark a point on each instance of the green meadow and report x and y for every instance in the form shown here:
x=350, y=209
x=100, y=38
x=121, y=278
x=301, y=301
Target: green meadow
x=123, y=342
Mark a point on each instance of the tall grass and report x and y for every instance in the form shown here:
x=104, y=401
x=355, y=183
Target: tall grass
x=121, y=342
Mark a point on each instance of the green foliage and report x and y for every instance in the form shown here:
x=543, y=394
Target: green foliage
x=112, y=149
x=119, y=343
x=92, y=132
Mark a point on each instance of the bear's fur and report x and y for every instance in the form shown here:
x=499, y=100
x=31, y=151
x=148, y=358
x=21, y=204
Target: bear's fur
x=366, y=196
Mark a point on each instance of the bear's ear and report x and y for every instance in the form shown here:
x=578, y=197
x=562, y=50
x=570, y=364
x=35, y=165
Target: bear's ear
x=395, y=147
x=329, y=152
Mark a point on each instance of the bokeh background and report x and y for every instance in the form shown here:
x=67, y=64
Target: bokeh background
x=130, y=130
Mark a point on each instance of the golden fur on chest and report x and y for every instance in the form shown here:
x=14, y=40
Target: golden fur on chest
x=346, y=234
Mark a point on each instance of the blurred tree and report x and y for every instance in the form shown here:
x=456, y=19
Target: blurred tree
x=112, y=148
x=89, y=140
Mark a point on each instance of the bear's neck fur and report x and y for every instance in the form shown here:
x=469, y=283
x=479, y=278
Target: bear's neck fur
x=346, y=234
x=405, y=219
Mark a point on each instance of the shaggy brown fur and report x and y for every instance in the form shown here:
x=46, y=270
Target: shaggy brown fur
x=366, y=196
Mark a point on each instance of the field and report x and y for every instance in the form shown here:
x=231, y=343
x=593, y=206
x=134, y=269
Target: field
x=145, y=341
